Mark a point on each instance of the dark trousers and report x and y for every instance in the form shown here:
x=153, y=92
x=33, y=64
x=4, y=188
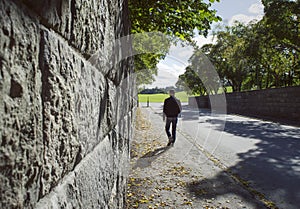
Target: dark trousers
x=173, y=121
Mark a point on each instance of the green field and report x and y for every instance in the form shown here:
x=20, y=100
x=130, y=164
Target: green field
x=156, y=98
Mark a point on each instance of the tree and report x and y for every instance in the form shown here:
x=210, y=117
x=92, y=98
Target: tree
x=252, y=56
x=228, y=55
x=283, y=18
x=174, y=18
x=274, y=62
x=149, y=49
x=191, y=82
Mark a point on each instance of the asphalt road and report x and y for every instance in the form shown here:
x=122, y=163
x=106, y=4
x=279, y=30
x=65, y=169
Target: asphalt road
x=264, y=155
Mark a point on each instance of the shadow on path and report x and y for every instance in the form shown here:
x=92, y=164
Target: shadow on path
x=272, y=167
x=148, y=158
x=221, y=186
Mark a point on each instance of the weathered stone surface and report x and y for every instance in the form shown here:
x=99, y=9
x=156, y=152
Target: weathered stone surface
x=97, y=182
x=90, y=102
x=92, y=27
x=59, y=66
x=91, y=96
x=88, y=25
x=65, y=122
x=20, y=108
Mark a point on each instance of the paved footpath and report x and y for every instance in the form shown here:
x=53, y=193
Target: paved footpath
x=183, y=176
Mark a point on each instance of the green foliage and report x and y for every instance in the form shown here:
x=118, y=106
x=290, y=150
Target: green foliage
x=172, y=17
x=256, y=56
x=191, y=82
x=150, y=48
x=283, y=18
x=175, y=18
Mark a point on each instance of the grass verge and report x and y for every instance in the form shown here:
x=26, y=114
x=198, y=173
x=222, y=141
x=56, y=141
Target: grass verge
x=157, y=98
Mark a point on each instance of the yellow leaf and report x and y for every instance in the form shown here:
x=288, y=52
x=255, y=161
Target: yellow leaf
x=187, y=203
x=144, y=201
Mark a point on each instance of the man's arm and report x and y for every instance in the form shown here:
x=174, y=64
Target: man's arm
x=179, y=106
x=164, y=111
x=165, y=107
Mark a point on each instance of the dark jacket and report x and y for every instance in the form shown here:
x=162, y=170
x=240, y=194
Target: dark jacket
x=172, y=107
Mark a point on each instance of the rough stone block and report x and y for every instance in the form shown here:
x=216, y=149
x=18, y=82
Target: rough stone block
x=92, y=27
x=88, y=25
x=59, y=66
x=97, y=182
x=57, y=108
x=21, y=150
x=91, y=97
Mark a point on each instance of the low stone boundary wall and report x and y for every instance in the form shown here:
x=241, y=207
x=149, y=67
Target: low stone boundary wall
x=278, y=104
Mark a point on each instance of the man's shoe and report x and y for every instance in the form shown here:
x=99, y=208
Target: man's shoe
x=170, y=140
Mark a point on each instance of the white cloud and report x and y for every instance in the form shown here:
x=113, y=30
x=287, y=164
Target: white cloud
x=256, y=8
x=243, y=19
x=172, y=66
x=168, y=71
x=201, y=40
x=164, y=78
x=180, y=53
x=183, y=53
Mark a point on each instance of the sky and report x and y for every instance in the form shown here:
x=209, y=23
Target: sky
x=230, y=10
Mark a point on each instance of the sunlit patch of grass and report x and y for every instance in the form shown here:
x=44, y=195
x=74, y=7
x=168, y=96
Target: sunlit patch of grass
x=157, y=98
x=182, y=96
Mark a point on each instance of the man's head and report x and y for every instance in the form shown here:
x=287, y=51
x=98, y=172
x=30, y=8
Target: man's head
x=172, y=92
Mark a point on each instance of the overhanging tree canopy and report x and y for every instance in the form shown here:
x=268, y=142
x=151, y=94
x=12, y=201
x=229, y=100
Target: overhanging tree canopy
x=175, y=18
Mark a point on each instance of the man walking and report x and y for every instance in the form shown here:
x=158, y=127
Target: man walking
x=172, y=107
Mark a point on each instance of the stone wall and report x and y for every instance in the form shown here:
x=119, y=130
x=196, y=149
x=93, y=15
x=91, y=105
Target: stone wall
x=280, y=104
x=65, y=123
